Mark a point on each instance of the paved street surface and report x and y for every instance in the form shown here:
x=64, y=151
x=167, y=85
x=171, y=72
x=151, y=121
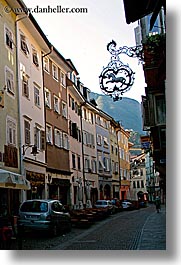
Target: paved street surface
x=143, y=229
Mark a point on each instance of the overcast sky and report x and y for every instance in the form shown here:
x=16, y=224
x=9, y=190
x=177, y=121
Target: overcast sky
x=84, y=37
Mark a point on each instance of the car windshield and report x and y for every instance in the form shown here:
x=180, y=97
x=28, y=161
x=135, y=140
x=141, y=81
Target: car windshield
x=34, y=206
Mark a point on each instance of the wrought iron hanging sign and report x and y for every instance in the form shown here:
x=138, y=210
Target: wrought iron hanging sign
x=117, y=77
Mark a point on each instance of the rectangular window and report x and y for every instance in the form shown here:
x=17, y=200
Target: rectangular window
x=92, y=118
x=58, y=138
x=94, y=168
x=74, y=131
x=87, y=165
x=112, y=149
x=47, y=98
x=62, y=79
x=78, y=163
x=27, y=132
x=9, y=77
x=64, y=109
x=142, y=184
x=55, y=71
x=116, y=167
x=73, y=161
x=70, y=100
x=98, y=120
x=56, y=105
x=106, y=144
x=138, y=184
x=101, y=165
x=65, y=141
x=35, y=57
x=73, y=104
x=9, y=38
x=25, y=87
x=46, y=64
x=99, y=139
x=49, y=134
x=24, y=46
x=36, y=96
x=106, y=164
x=11, y=131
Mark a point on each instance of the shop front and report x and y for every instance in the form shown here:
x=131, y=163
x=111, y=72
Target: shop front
x=124, y=189
x=37, y=181
x=11, y=186
x=60, y=189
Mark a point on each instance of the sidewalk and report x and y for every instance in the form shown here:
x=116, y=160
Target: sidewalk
x=153, y=236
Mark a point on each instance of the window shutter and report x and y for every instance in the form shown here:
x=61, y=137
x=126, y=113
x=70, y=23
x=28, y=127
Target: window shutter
x=35, y=136
x=27, y=132
x=43, y=140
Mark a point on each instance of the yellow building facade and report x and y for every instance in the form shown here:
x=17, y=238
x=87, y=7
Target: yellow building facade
x=124, y=164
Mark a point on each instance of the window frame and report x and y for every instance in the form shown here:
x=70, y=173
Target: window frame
x=27, y=132
x=24, y=44
x=58, y=136
x=11, y=129
x=62, y=78
x=47, y=99
x=10, y=85
x=49, y=134
x=9, y=38
x=56, y=105
x=25, y=82
x=55, y=71
x=36, y=96
x=73, y=161
x=46, y=64
x=35, y=55
x=64, y=109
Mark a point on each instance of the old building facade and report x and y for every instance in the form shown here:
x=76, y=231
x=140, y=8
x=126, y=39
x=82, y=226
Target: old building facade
x=12, y=180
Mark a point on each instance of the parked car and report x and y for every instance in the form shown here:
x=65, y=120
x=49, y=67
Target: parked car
x=127, y=205
x=44, y=215
x=107, y=204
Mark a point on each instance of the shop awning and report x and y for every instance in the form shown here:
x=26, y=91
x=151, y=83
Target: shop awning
x=11, y=180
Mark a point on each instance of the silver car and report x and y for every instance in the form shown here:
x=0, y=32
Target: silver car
x=45, y=215
x=106, y=204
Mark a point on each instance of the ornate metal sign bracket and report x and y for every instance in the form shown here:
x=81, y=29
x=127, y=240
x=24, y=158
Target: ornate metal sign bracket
x=117, y=78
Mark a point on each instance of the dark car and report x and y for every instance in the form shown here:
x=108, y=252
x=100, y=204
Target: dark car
x=44, y=215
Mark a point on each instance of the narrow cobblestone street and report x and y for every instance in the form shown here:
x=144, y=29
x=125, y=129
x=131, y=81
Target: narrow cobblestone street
x=143, y=229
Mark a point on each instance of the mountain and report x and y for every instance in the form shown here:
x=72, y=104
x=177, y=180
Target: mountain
x=127, y=111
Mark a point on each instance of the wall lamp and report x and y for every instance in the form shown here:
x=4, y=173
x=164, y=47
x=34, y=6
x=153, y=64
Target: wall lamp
x=34, y=150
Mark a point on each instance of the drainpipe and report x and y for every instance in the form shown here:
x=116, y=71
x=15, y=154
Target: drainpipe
x=43, y=75
x=43, y=82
